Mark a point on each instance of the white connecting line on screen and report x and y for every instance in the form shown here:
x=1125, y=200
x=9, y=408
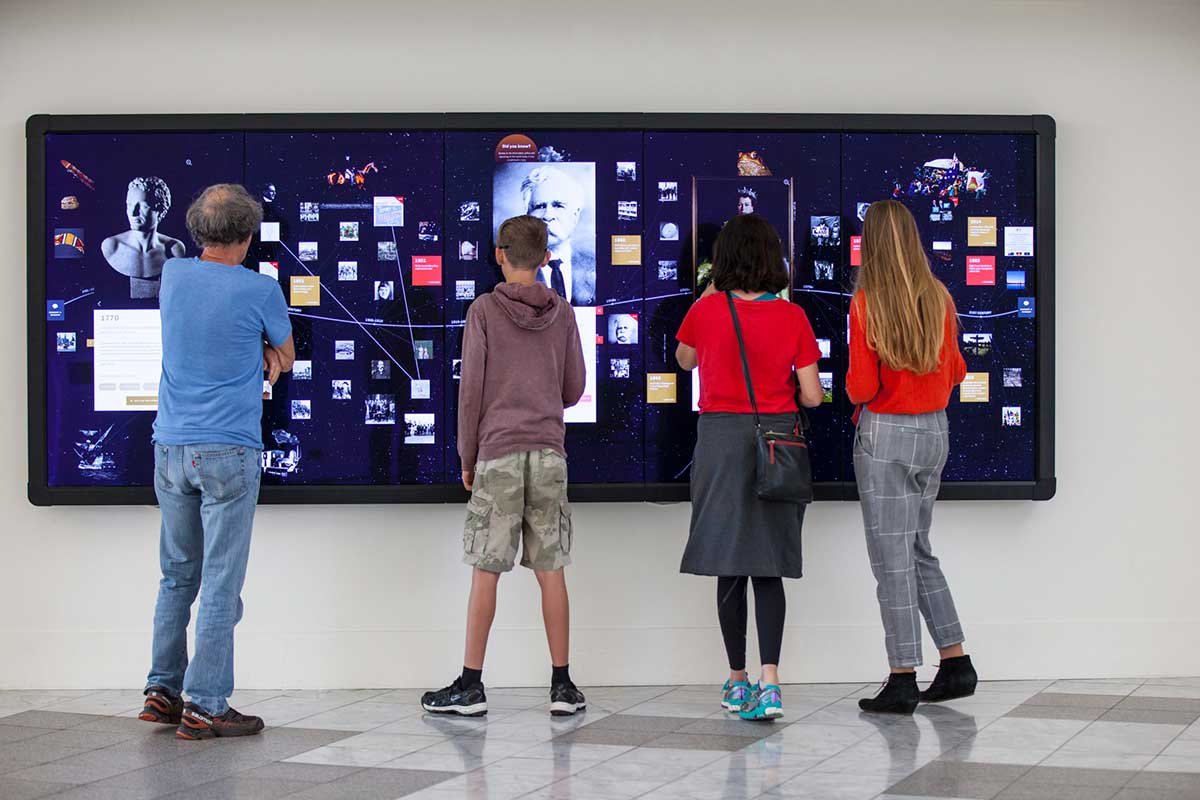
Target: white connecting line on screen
x=353, y=319
x=86, y=293
x=964, y=316
x=404, y=294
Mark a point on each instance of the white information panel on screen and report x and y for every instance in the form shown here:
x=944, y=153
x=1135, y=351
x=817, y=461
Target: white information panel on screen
x=128, y=359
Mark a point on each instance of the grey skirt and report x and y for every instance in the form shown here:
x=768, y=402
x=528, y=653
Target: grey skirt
x=734, y=533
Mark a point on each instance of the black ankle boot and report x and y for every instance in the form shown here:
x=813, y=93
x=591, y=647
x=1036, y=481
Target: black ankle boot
x=955, y=678
x=899, y=695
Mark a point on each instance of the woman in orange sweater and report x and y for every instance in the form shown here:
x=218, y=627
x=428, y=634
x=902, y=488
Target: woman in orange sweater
x=904, y=363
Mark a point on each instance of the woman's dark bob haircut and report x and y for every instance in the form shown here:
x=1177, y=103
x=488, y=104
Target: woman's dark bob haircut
x=747, y=256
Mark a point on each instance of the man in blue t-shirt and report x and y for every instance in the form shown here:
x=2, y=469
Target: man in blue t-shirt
x=222, y=325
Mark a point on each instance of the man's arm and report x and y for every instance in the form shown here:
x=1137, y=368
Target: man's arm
x=286, y=353
x=277, y=329
x=470, y=390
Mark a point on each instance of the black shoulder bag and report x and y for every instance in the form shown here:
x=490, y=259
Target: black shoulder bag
x=783, y=472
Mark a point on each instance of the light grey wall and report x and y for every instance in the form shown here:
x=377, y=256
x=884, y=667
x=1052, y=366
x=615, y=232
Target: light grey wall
x=1101, y=581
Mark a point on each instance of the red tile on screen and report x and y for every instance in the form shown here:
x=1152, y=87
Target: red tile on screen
x=981, y=270
x=856, y=251
x=426, y=270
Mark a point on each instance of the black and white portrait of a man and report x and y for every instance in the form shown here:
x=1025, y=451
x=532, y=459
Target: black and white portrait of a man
x=563, y=194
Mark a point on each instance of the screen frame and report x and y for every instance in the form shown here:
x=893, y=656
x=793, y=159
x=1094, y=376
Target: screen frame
x=1043, y=486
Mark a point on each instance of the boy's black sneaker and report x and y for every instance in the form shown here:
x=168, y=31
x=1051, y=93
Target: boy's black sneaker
x=199, y=724
x=566, y=699
x=899, y=695
x=466, y=701
x=955, y=679
x=161, y=706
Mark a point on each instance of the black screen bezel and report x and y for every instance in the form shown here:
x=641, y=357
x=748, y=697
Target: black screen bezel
x=41, y=494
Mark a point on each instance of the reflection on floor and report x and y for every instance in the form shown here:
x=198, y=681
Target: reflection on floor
x=1059, y=740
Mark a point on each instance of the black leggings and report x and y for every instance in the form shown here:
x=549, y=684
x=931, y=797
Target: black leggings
x=770, y=607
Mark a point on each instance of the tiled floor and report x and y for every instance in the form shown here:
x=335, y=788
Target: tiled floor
x=1016, y=740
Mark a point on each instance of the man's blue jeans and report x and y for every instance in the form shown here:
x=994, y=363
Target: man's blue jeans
x=207, y=494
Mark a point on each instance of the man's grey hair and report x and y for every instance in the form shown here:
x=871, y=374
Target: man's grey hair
x=224, y=213
x=156, y=190
x=540, y=175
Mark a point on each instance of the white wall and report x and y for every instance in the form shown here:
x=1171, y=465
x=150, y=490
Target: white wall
x=1099, y=582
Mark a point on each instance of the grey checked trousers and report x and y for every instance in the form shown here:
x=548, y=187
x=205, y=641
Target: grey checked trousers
x=898, y=461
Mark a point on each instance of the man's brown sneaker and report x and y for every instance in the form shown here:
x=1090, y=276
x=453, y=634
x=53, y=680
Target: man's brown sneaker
x=199, y=724
x=161, y=706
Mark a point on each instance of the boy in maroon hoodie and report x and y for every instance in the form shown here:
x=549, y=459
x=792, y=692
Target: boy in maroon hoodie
x=522, y=365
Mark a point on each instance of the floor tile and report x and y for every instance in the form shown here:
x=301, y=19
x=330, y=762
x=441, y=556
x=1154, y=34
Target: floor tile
x=1019, y=791
x=593, y=735
x=1189, y=764
x=16, y=789
x=397, y=744
x=308, y=773
x=1080, y=699
x=1179, y=781
x=1057, y=712
x=1077, y=776
x=107, y=702
x=56, y=720
x=1184, y=691
x=240, y=787
x=731, y=727
x=18, y=757
x=640, y=722
x=1183, y=747
x=829, y=786
x=342, y=757
x=1097, y=686
x=362, y=716
x=815, y=739
x=1085, y=759
x=1150, y=715
x=954, y=779
x=1156, y=703
x=696, y=741
x=17, y=733
x=1125, y=737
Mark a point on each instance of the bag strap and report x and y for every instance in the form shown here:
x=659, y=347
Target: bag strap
x=737, y=327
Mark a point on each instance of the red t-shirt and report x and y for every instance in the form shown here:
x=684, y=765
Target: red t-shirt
x=778, y=338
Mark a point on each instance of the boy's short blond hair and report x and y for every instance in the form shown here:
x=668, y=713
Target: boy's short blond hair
x=523, y=240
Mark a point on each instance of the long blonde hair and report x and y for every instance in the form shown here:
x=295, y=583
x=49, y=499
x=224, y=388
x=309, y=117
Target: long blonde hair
x=905, y=304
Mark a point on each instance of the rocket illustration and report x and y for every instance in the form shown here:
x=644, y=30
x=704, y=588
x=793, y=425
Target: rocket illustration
x=78, y=173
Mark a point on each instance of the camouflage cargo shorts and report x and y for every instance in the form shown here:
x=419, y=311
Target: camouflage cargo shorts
x=519, y=496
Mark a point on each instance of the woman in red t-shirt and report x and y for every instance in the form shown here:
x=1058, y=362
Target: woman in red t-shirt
x=734, y=535
x=904, y=362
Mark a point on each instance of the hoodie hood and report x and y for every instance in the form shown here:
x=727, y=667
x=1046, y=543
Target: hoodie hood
x=533, y=308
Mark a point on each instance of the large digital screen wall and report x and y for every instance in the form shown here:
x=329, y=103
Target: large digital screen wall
x=380, y=231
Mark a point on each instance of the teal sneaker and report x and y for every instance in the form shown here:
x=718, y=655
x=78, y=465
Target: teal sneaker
x=765, y=704
x=735, y=695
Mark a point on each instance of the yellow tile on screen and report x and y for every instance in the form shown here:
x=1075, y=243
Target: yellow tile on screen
x=974, y=388
x=306, y=290
x=660, y=387
x=626, y=251
x=981, y=231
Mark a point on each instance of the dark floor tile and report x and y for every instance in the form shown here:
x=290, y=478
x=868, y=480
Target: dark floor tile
x=698, y=741
x=1177, y=781
x=732, y=727
x=1078, y=776
x=331, y=791
x=89, y=765
x=1150, y=715
x=56, y=720
x=240, y=787
x=959, y=779
x=638, y=722
x=16, y=733
x=404, y=781
x=1153, y=794
x=16, y=789
x=1056, y=713
x=130, y=725
x=590, y=734
x=291, y=771
x=1161, y=703
x=1075, y=700
x=1033, y=791
x=22, y=755
x=85, y=739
